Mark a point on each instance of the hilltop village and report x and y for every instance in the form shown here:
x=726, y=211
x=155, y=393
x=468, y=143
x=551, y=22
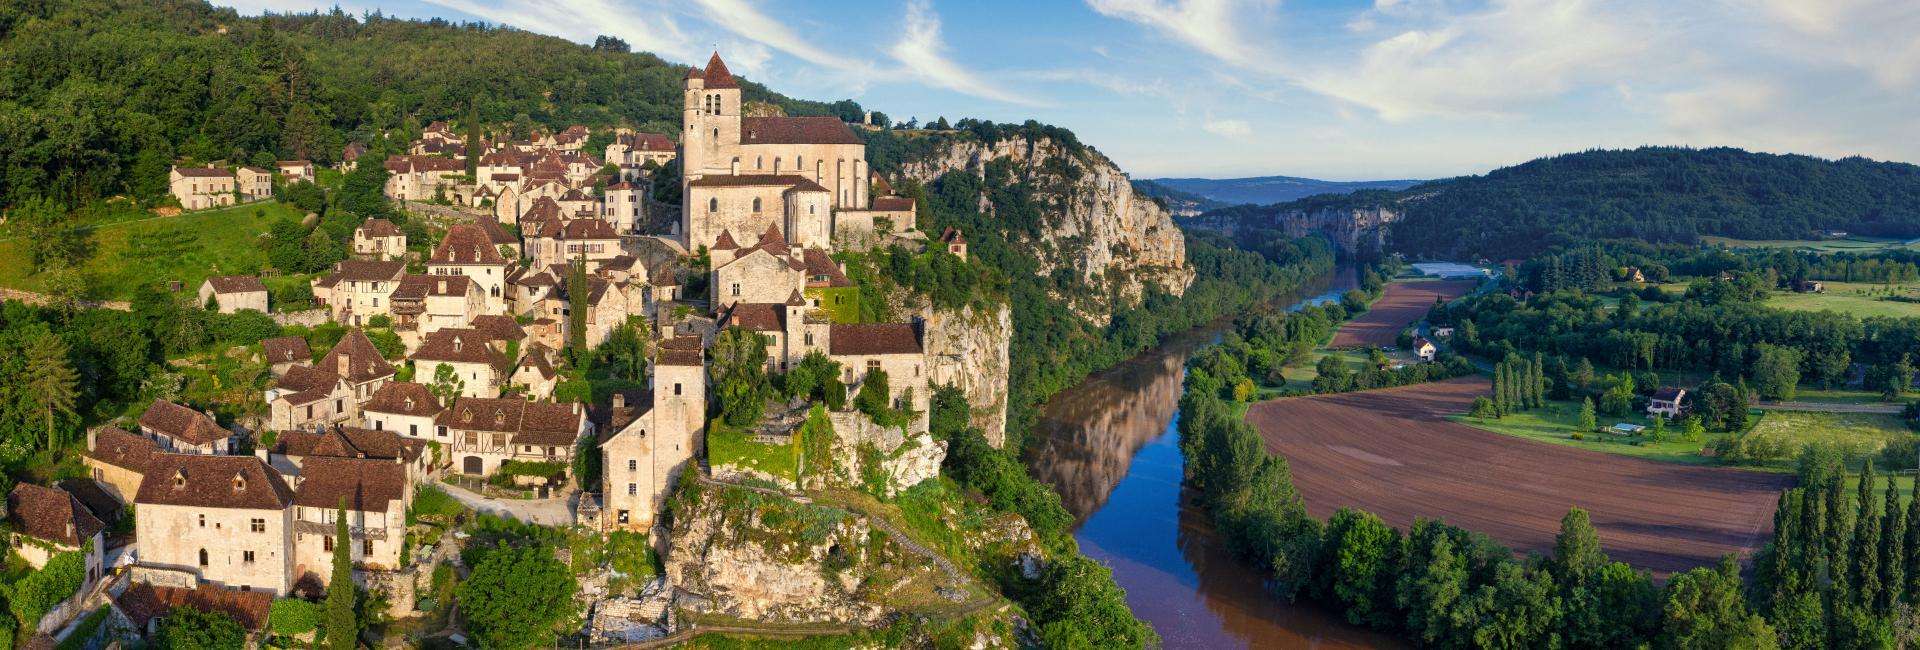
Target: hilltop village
x=451, y=378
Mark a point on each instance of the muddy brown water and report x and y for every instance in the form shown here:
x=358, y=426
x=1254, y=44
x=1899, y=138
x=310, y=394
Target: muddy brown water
x=1112, y=451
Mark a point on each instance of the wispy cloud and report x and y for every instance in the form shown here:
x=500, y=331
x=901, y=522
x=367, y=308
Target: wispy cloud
x=1227, y=128
x=582, y=20
x=1215, y=27
x=922, y=54
x=745, y=20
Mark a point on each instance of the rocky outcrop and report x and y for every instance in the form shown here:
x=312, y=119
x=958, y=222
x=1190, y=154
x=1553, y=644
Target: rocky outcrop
x=1358, y=229
x=968, y=349
x=879, y=459
x=1093, y=222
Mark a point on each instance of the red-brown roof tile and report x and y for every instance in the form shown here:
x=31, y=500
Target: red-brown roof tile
x=403, y=398
x=204, y=481
x=466, y=244
x=51, y=514
x=796, y=130
x=114, y=446
x=182, y=423
x=236, y=283
x=873, y=338
x=143, y=602
x=364, y=484
x=364, y=362
x=285, y=349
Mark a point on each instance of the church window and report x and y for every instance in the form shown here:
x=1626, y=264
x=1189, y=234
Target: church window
x=203, y=557
x=756, y=204
x=713, y=204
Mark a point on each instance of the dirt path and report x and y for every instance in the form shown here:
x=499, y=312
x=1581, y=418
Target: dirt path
x=1403, y=304
x=1393, y=453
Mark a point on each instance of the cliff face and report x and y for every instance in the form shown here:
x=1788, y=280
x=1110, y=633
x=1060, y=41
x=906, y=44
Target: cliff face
x=1353, y=229
x=1094, y=223
x=969, y=349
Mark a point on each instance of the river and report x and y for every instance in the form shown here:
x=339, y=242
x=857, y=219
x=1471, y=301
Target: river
x=1113, y=453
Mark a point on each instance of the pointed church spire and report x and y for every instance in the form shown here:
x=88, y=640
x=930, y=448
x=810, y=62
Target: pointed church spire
x=717, y=74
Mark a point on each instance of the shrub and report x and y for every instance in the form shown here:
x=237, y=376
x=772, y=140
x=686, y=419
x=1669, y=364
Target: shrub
x=293, y=617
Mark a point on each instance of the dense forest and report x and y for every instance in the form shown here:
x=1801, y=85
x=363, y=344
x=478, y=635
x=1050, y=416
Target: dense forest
x=1656, y=194
x=98, y=97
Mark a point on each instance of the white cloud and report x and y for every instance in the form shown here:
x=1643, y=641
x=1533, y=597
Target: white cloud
x=746, y=20
x=582, y=20
x=1214, y=27
x=922, y=54
x=1227, y=128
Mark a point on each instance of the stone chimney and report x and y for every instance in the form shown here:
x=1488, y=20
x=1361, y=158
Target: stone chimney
x=443, y=285
x=576, y=408
x=345, y=365
x=619, y=400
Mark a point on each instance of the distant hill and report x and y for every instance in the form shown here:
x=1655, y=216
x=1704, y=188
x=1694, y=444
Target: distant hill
x=1262, y=190
x=1658, y=194
x=1180, y=203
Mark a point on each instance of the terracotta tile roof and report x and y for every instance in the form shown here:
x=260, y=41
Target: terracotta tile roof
x=418, y=287
x=403, y=398
x=466, y=244
x=236, y=283
x=114, y=446
x=725, y=241
x=756, y=316
x=751, y=180
x=379, y=228
x=717, y=75
x=459, y=345
x=143, y=602
x=577, y=229
x=952, y=235
x=531, y=423
x=293, y=163
x=873, y=338
x=680, y=351
x=497, y=234
x=364, y=362
x=203, y=172
x=574, y=195
x=796, y=130
x=879, y=183
x=182, y=423
x=51, y=514
x=203, y=481
x=893, y=204
x=367, y=270
x=348, y=442
x=365, y=484
x=822, y=271
x=536, y=360
x=499, y=327
x=306, y=385
x=643, y=141
x=284, y=349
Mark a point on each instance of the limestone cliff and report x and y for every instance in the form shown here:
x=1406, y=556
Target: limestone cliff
x=1093, y=222
x=969, y=349
x=1356, y=229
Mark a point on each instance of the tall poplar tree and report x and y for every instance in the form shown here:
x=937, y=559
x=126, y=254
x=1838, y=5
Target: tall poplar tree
x=1911, y=551
x=1865, y=556
x=342, y=629
x=473, y=139
x=1893, y=533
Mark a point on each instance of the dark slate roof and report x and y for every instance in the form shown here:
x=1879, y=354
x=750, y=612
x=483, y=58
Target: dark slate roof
x=236, y=283
x=51, y=514
x=403, y=398
x=796, y=130
x=365, y=484
x=873, y=338
x=204, y=481
x=1667, y=393
x=283, y=349
x=182, y=423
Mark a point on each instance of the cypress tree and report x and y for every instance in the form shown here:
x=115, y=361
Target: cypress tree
x=1865, y=557
x=342, y=629
x=1893, y=533
x=1912, y=551
x=1500, y=388
x=1779, y=571
x=1539, y=381
x=473, y=138
x=1837, y=527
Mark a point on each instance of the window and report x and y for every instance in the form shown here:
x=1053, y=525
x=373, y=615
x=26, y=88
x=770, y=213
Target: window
x=326, y=543
x=258, y=525
x=413, y=430
x=203, y=521
x=203, y=557
x=713, y=204
x=366, y=547
x=756, y=204
x=246, y=557
x=633, y=489
x=735, y=287
x=676, y=388
x=633, y=465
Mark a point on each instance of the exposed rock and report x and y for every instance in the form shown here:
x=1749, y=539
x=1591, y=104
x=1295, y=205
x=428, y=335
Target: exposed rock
x=969, y=350
x=1094, y=223
x=1353, y=229
x=905, y=456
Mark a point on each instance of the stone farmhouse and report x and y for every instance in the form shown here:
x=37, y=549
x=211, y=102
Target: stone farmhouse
x=357, y=290
x=232, y=293
x=331, y=391
x=489, y=431
x=379, y=239
x=47, y=521
x=405, y=408
x=183, y=430
x=649, y=438
x=480, y=368
x=255, y=183
x=199, y=188
x=467, y=250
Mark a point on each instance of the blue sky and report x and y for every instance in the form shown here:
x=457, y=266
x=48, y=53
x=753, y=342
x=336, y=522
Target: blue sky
x=1335, y=89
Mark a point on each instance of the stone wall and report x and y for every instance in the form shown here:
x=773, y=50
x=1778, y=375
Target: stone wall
x=308, y=318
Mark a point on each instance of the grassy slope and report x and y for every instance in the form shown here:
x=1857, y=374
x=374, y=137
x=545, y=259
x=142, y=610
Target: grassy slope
x=1858, y=298
x=188, y=248
x=1849, y=244
x=728, y=445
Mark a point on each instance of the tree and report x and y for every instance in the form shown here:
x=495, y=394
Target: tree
x=342, y=629
x=1587, y=421
x=1892, y=560
x=191, y=628
x=52, y=389
x=578, y=291
x=517, y=597
x=874, y=398
x=473, y=138
x=1776, y=371
x=51, y=236
x=1483, y=408
x=628, y=347
x=1704, y=610
x=1865, y=555
x=447, y=383
x=1361, y=549
x=1440, y=585
x=740, y=375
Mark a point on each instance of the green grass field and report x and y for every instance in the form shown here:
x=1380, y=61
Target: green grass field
x=1861, y=299
x=153, y=250
x=727, y=445
x=1558, y=421
x=1858, y=433
x=1847, y=244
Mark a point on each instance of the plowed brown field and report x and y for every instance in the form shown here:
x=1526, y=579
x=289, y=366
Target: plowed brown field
x=1401, y=305
x=1392, y=452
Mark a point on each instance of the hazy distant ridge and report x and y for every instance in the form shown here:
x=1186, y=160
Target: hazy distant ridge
x=1262, y=190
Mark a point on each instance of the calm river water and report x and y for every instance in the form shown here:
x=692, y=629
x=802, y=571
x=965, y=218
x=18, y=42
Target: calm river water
x=1113, y=453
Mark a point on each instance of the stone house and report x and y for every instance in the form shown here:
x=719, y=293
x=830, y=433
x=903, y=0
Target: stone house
x=789, y=331
x=535, y=374
x=255, y=183
x=307, y=397
x=420, y=177
x=479, y=367
x=405, y=408
x=292, y=449
x=467, y=250
x=183, y=430
x=757, y=203
x=1424, y=348
x=719, y=139
x=862, y=229
x=379, y=239
x=375, y=492
x=283, y=352
x=141, y=606
x=649, y=438
x=426, y=303
x=489, y=431
x=358, y=290
x=232, y=293
x=199, y=188
x=117, y=460
x=350, y=155
x=358, y=362
x=624, y=206
x=631, y=151
x=562, y=242
x=954, y=242
x=48, y=521
x=895, y=348
x=226, y=519
x=1666, y=402
x=295, y=171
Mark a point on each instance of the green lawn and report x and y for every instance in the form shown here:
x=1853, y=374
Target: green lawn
x=1558, y=421
x=1856, y=432
x=153, y=250
x=1837, y=396
x=842, y=304
x=1355, y=360
x=1861, y=299
x=729, y=445
x=1848, y=244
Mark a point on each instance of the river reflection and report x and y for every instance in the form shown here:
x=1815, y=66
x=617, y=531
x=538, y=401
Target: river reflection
x=1113, y=454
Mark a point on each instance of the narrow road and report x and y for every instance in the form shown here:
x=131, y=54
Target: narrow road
x=1830, y=407
x=546, y=512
